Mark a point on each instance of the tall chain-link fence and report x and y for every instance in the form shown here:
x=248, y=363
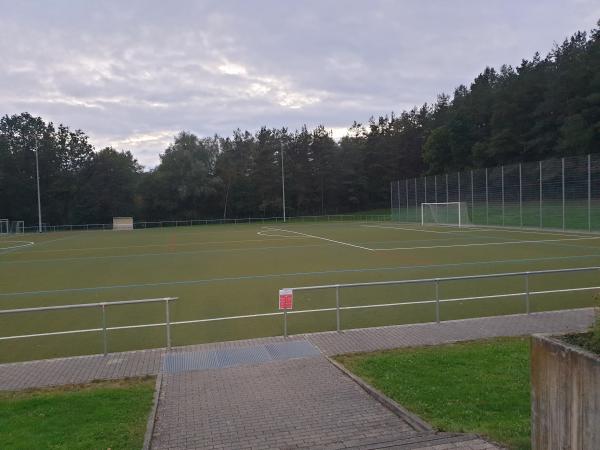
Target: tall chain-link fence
x=561, y=193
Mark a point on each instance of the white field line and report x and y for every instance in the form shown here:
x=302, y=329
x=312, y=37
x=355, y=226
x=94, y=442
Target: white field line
x=322, y=238
x=477, y=229
x=546, y=233
x=164, y=245
x=485, y=244
x=21, y=244
x=413, y=229
x=266, y=234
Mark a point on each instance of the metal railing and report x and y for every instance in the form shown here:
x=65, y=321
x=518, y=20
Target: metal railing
x=436, y=282
x=195, y=222
x=526, y=294
x=104, y=329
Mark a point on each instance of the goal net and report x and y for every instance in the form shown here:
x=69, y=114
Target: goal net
x=4, y=226
x=122, y=223
x=449, y=213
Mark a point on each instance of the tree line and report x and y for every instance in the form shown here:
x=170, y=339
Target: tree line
x=546, y=107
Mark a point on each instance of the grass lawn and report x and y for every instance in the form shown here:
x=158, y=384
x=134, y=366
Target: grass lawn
x=94, y=416
x=479, y=387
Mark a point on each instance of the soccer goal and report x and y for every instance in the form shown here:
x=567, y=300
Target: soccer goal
x=449, y=213
x=122, y=223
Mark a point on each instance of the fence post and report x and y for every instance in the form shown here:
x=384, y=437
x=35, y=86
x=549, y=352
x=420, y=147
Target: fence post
x=589, y=161
x=392, y=198
x=416, y=203
x=168, y=323
x=337, y=308
x=435, y=187
x=458, y=179
x=285, y=323
x=399, y=204
x=541, y=199
x=437, y=300
x=487, y=207
x=472, y=200
x=520, y=195
x=527, y=309
x=563, y=192
x=104, y=337
x=502, y=172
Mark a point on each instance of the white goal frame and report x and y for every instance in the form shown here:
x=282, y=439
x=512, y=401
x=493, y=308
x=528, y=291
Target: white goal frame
x=122, y=223
x=462, y=207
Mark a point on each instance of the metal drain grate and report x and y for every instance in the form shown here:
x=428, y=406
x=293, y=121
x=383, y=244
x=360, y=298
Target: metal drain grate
x=215, y=359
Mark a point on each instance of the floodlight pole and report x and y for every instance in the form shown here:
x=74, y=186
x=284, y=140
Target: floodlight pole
x=37, y=174
x=282, y=183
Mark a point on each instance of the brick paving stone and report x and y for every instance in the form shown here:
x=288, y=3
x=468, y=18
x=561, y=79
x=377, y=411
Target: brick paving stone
x=296, y=403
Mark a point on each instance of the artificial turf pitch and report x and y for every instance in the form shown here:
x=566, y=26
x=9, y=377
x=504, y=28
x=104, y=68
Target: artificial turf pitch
x=231, y=270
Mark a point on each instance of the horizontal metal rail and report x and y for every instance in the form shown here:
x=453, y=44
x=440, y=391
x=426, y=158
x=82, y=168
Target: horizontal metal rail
x=437, y=301
x=527, y=293
x=191, y=222
x=440, y=279
x=104, y=329
x=86, y=305
x=272, y=314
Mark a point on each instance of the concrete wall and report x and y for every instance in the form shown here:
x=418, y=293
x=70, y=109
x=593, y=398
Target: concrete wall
x=565, y=396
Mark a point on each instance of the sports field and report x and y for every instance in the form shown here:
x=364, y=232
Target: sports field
x=230, y=270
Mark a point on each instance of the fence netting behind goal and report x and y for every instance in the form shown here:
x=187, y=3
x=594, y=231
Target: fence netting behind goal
x=559, y=193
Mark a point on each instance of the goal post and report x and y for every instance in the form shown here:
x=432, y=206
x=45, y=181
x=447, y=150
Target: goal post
x=446, y=213
x=19, y=227
x=122, y=223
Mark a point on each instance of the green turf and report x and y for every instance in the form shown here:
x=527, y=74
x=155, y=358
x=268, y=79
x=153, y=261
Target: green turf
x=478, y=387
x=230, y=270
x=107, y=415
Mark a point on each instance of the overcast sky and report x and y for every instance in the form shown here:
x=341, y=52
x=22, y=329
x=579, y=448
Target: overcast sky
x=132, y=74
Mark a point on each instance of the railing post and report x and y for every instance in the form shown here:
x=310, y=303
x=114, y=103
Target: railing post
x=437, y=300
x=104, y=337
x=337, y=308
x=168, y=323
x=527, y=309
x=285, y=334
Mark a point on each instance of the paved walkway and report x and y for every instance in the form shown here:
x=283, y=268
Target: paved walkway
x=296, y=403
x=279, y=401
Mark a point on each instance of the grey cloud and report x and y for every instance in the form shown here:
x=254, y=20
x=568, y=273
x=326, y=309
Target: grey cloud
x=131, y=74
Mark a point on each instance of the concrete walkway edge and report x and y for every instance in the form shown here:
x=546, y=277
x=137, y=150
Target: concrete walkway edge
x=413, y=420
x=152, y=416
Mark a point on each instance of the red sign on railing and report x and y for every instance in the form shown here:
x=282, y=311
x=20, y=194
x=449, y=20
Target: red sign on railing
x=286, y=299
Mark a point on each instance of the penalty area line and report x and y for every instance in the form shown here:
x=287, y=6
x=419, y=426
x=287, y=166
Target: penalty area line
x=322, y=238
